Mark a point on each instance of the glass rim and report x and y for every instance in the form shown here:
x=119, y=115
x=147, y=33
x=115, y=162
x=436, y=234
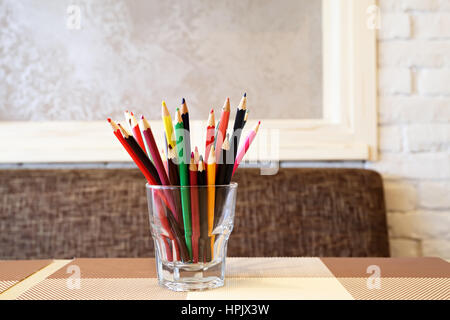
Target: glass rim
x=232, y=185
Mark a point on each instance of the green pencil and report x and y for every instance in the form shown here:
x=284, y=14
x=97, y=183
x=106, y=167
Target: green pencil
x=184, y=181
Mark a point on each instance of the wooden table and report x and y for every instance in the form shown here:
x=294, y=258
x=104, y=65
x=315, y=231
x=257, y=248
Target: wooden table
x=247, y=278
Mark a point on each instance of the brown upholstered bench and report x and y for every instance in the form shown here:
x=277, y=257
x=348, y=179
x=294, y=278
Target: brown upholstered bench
x=103, y=213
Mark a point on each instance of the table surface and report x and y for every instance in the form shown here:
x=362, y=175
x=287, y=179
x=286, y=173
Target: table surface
x=246, y=278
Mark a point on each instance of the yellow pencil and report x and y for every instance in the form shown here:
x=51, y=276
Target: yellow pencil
x=168, y=126
x=211, y=180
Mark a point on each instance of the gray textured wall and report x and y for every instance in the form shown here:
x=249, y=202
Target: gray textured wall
x=133, y=54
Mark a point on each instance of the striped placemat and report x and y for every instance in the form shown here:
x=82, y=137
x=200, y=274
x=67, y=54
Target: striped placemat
x=14, y=271
x=253, y=278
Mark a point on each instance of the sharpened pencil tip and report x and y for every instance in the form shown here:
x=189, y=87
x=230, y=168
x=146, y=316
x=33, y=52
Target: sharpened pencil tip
x=212, y=110
x=163, y=103
x=245, y=94
x=132, y=113
x=109, y=120
x=183, y=101
x=192, y=154
x=142, y=117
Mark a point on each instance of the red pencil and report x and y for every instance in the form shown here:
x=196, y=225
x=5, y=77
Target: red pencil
x=144, y=170
x=223, y=125
x=210, y=130
x=141, y=155
x=153, y=150
x=162, y=216
x=136, y=132
x=194, y=208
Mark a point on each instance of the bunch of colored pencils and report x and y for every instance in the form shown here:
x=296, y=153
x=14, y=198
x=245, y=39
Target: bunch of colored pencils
x=187, y=216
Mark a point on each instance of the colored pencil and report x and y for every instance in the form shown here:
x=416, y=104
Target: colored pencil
x=204, y=246
x=187, y=134
x=220, y=178
x=137, y=161
x=194, y=208
x=168, y=127
x=244, y=148
x=152, y=149
x=237, y=130
x=184, y=180
x=127, y=119
x=215, y=132
x=221, y=132
x=140, y=154
x=137, y=133
x=211, y=180
x=209, y=135
x=172, y=165
x=196, y=156
x=221, y=165
x=245, y=118
x=162, y=216
x=238, y=123
x=164, y=160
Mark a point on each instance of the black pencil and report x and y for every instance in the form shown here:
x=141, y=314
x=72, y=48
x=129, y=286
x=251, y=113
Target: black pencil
x=140, y=154
x=204, y=242
x=187, y=129
x=172, y=167
x=222, y=163
x=237, y=130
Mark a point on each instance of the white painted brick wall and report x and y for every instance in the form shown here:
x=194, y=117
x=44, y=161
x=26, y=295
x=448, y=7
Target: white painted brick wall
x=395, y=81
x=391, y=139
x=428, y=137
x=434, y=81
x=432, y=25
x=434, y=195
x=414, y=130
x=395, y=25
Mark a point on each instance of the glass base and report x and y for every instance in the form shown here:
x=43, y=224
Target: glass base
x=191, y=276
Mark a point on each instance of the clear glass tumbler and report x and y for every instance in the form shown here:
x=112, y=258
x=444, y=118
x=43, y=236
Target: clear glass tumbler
x=190, y=227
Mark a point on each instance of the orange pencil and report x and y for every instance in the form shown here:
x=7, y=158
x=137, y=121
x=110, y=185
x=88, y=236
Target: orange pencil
x=211, y=180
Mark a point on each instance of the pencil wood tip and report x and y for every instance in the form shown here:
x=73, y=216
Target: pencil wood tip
x=243, y=102
x=257, y=127
x=212, y=155
x=179, y=118
x=226, y=105
x=165, y=112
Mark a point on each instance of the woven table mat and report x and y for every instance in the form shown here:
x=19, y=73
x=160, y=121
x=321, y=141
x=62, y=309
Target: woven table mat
x=257, y=278
x=14, y=271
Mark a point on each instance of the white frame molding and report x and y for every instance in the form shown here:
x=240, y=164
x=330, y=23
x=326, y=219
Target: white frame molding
x=348, y=130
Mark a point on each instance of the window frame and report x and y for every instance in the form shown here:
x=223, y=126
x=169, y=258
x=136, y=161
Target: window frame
x=347, y=131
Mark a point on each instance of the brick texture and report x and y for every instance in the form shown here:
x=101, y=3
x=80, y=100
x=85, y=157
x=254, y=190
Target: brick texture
x=414, y=130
